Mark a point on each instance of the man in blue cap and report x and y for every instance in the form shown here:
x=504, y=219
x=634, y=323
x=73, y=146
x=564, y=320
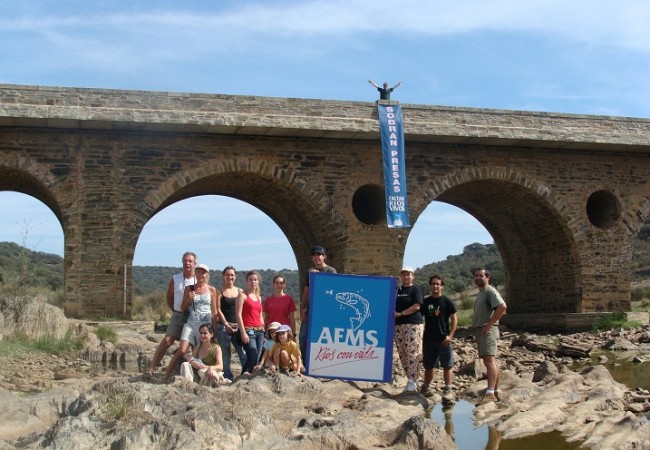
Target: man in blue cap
x=318, y=257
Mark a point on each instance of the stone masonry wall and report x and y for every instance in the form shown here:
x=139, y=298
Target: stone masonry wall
x=563, y=196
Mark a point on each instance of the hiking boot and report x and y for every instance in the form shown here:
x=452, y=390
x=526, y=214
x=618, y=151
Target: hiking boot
x=448, y=397
x=426, y=390
x=487, y=398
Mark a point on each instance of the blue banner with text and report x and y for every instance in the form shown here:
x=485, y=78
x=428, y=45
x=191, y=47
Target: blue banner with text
x=392, y=145
x=351, y=326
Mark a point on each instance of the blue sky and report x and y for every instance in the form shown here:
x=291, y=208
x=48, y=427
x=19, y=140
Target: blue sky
x=582, y=56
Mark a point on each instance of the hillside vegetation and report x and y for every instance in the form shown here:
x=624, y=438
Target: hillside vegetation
x=21, y=267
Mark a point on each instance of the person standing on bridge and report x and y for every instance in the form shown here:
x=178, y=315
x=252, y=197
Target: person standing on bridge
x=409, y=327
x=384, y=92
x=489, y=307
x=318, y=257
x=175, y=291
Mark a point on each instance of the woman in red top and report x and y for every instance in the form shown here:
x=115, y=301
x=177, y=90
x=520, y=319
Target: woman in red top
x=250, y=321
x=280, y=307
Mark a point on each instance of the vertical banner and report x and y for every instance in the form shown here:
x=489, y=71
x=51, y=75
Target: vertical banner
x=351, y=325
x=392, y=146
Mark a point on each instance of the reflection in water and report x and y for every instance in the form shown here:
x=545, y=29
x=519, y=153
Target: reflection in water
x=459, y=425
x=621, y=367
x=449, y=422
x=494, y=438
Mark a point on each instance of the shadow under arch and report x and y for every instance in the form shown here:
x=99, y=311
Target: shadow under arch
x=539, y=253
x=302, y=215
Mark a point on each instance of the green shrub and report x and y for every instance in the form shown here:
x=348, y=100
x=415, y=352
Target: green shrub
x=67, y=345
x=640, y=293
x=105, y=333
x=19, y=343
x=614, y=320
x=119, y=406
x=464, y=317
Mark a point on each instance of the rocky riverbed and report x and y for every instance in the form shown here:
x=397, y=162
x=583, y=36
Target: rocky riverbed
x=98, y=400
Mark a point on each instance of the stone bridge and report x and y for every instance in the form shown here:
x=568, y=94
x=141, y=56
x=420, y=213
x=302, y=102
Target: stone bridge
x=564, y=196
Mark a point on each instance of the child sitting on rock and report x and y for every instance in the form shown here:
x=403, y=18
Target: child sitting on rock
x=266, y=348
x=206, y=360
x=285, y=353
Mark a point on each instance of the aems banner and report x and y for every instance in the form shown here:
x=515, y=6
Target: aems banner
x=351, y=324
x=392, y=145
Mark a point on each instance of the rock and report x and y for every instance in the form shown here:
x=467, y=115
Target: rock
x=475, y=369
x=619, y=343
x=574, y=349
x=545, y=372
x=38, y=319
x=21, y=416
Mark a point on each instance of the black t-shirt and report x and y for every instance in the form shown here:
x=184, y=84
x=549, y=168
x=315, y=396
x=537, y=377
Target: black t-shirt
x=436, y=313
x=407, y=296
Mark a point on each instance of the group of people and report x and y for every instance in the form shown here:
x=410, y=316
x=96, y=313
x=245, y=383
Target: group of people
x=235, y=317
x=425, y=328
x=231, y=316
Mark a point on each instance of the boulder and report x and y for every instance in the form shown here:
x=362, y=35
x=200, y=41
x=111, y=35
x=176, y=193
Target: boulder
x=545, y=372
x=619, y=343
x=38, y=319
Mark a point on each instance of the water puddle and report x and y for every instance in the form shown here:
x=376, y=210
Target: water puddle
x=458, y=423
x=621, y=367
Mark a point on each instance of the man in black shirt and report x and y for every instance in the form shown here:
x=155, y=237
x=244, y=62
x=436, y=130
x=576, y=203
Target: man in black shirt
x=438, y=311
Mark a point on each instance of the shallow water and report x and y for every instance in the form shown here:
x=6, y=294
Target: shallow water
x=620, y=366
x=458, y=420
x=458, y=423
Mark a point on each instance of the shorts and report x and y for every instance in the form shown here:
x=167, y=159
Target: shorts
x=191, y=333
x=175, y=327
x=434, y=351
x=487, y=343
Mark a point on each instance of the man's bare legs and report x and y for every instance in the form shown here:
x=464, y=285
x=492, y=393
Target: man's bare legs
x=162, y=348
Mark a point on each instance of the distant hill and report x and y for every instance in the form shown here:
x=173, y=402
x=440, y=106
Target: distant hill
x=21, y=265
x=147, y=279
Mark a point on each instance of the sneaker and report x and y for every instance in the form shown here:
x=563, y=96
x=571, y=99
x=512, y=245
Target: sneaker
x=448, y=397
x=499, y=395
x=487, y=398
x=411, y=386
x=426, y=390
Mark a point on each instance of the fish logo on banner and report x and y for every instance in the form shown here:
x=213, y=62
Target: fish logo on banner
x=345, y=339
x=392, y=145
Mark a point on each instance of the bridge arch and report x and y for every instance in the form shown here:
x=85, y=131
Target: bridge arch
x=528, y=223
x=25, y=175
x=302, y=213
